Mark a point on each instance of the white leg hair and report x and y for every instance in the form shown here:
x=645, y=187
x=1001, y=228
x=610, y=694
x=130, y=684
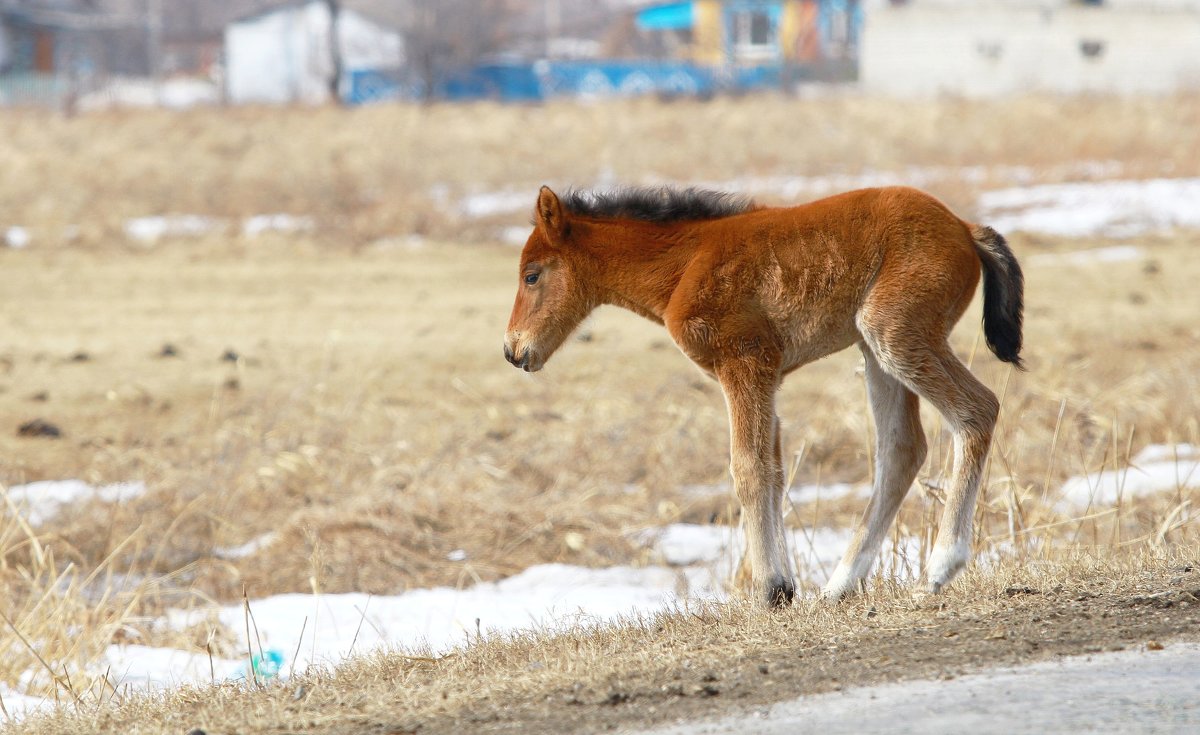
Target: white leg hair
x=899, y=453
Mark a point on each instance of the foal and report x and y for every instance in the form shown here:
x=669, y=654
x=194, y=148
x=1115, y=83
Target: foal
x=751, y=293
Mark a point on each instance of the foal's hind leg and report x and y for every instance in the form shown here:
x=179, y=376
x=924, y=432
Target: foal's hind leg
x=971, y=409
x=975, y=410
x=899, y=454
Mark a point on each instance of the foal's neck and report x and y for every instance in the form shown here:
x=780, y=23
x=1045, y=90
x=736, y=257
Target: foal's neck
x=638, y=265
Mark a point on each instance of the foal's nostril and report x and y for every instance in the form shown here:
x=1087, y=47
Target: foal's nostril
x=508, y=355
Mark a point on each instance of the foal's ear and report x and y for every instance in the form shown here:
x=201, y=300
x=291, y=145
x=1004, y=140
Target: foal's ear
x=550, y=217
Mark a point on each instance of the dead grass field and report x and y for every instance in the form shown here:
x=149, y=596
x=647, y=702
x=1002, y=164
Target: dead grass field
x=345, y=387
x=689, y=664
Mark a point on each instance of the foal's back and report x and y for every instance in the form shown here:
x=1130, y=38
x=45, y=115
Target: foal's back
x=810, y=271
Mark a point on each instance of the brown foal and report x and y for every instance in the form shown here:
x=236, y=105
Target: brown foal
x=750, y=293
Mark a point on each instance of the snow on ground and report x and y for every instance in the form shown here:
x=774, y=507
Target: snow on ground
x=149, y=230
x=16, y=237
x=825, y=493
x=282, y=222
x=38, y=502
x=1088, y=207
x=250, y=548
x=798, y=495
x=1107, y=208
x=295, y=631
x=17, y=704
x=508, y=201
x=816, y=551
x=175, y=94
x=1156, y=469
x=491, y=203
x=144, y=668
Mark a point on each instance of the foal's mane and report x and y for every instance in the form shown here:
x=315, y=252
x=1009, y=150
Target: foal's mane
x=660, y=204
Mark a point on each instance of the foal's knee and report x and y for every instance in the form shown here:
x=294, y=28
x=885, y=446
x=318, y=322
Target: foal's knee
x=753, y=479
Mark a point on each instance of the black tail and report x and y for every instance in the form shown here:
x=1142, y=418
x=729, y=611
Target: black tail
x=1003, y=295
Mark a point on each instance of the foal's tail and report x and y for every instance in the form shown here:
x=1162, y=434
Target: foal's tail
x=1003, y=294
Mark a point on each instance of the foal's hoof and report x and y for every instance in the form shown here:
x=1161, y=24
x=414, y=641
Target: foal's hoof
x=780, y=593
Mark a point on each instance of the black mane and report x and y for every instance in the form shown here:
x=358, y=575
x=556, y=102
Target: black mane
x=656, y=204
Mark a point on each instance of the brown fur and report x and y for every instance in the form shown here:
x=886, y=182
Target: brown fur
x=752, y=296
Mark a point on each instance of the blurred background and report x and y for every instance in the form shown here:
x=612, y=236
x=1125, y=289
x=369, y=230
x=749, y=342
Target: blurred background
x=87, y=54
x=257, y=258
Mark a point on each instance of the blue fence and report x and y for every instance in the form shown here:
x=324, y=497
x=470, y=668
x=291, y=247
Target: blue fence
x=541, y=80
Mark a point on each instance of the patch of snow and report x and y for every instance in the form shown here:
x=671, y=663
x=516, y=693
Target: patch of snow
x=515, y=235
x=177, y=94
x=547, y=596
x=798, y=495
x=1105, y=208
x=457, y=555
x=150, y=230
x=41, y=501
x=816, y=551
x=1160, y=452
x=1112, y=254
x=488, y=204
x=286, y=223
x=800, y=188
x=16, y=237
x=250, y=548
x=323, y=630
x=834, y=491
x=1156, y=469
x=18, y=705
x=145, y=668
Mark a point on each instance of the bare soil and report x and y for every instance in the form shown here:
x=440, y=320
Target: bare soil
x=1024, y=626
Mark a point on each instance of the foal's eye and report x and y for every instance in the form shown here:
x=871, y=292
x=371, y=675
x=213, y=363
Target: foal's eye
x=531, y=279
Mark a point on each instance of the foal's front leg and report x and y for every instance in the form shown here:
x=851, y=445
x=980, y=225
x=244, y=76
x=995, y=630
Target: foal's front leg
x=758, y=476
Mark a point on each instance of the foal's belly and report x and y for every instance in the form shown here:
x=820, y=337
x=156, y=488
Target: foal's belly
x=805, y=342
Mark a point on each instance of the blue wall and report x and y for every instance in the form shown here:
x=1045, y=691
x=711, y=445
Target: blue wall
x=541, y=80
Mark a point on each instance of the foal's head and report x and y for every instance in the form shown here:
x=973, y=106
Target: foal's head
x=551, y=298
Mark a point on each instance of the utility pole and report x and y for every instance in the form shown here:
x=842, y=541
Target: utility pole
x=335, y=51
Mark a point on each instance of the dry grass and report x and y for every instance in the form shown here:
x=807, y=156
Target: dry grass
x=377, y=172
x=368, y=419
x=591, y=679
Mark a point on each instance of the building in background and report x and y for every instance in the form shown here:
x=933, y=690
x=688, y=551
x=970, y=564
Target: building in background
x=670, y=49
x=990, y=48
x=821, y=35
x=51, y=51
x=82, y=54
x=286, y=54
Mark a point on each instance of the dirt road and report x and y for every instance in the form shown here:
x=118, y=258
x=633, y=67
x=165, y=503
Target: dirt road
x=949, y=650
x=1147, y=690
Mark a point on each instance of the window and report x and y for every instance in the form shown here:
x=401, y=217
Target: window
x=753, y=35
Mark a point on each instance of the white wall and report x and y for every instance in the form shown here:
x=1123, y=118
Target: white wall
x=990, y=49
x=284, y=56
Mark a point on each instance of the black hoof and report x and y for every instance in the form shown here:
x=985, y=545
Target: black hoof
x=780, y=592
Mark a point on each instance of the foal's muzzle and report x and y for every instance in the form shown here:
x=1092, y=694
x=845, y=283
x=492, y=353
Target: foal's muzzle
x=522, y=362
